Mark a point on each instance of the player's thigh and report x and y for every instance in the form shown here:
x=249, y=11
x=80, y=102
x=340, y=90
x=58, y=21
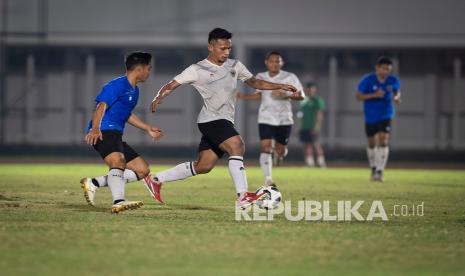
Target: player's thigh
x=206, y=161
x=282, y=134
x=266, y=145
x=111, y=149
x=115, y=160
x=233, y=146
x=384, y=129
x=371, y=131
x=266, y=132
x=139, y=166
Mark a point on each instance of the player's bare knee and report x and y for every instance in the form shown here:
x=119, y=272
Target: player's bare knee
x=203, y=168
x=237, y=148
x=266, y=149
x=119, y=163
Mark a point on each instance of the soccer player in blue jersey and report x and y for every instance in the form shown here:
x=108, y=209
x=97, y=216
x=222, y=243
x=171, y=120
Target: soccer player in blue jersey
x=114, y=106
x=378, y=91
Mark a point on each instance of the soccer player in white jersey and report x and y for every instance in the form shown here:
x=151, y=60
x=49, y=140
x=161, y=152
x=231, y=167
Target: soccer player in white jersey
x=275, y=117
x=215, y=78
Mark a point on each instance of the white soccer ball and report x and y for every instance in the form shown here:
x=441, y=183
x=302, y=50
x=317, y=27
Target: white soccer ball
x=270, y=197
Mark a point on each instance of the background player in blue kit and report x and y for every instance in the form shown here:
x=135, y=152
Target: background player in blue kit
x=114, y=106
x=378, y=90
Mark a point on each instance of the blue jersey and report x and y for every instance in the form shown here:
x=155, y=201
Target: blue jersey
x=121, y=98
x=377, y=110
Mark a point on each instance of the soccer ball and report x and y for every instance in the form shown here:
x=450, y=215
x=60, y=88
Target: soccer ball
x=270, y=199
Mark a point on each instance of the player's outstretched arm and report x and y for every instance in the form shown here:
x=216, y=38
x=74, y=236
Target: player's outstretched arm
x=266, y=85
x=257, y=95
x=155, y=132
x=94, y=133
x=162, y=93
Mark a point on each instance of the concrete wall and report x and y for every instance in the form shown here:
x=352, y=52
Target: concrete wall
x=52, y=107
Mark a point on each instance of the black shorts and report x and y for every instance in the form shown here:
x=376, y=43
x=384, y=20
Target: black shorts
x=381, y=126
x=307, y=136
x=214, y=133
x=112, y=142
x=279, y=133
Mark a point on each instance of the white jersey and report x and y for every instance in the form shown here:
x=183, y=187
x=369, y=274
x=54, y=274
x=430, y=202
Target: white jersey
x=217, y=86
x=277, y=112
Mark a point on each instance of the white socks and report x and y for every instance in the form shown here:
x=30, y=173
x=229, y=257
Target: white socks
x=116, y=183
x=310, y=161
x=321, y=161
x=237, y=172
x=377, y=157
x=371, y=153
x=179, y=172
x=382, y=154
x=129, y=176
x=266, y=164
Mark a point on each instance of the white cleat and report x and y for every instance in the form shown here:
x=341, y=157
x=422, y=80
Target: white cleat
x=89, y=190
x=125, y=205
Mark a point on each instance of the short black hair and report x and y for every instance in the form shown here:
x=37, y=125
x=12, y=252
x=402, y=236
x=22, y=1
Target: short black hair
x=310, y=84
x=219, y=33
x=273, y=53
x=383, y=60
x=137, y=58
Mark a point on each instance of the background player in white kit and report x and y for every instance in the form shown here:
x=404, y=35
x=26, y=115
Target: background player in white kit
x=215, y=78
x=275, y=117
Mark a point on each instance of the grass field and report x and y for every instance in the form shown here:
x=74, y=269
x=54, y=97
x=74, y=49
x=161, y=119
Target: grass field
x=46, y=228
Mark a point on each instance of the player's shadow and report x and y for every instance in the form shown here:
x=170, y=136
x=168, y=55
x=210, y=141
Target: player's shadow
x=190, y=207
x=83, y=208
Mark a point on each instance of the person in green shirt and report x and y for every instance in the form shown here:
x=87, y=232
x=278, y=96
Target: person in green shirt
x=311, y=118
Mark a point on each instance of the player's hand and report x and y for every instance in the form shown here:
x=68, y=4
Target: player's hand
x=379, y=94
x=155, y=132
x=239, y=95
x=397, y=100
x=288, y=87
x=296, y=94
x=155, y=103
x=93, y=136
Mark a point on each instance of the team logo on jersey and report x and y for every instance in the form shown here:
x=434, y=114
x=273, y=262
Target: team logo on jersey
x=375, y=87
x=233, y=72
x=130, y=98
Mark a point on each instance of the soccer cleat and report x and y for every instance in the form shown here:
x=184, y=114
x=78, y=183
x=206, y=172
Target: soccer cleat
x=373, y=174
x=378, y=176
x=125, y=205
x=154, y=188
x=89, y=190
x=247, y=199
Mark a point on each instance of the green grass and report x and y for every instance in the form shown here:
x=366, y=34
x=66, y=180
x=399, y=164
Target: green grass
x=46, y=228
